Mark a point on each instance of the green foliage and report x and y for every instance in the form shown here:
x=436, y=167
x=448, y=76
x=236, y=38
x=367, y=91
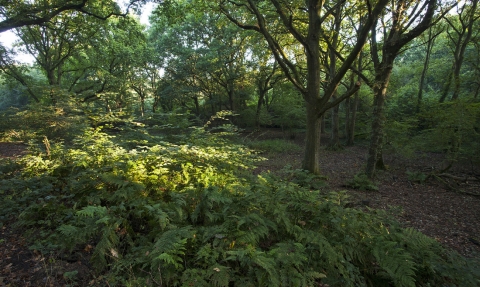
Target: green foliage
x=247, y=117
x=191, y=214
x=70, y=277
x=362, y=182
x=303, y=178
x=417, y=176
x=452, y=128
x=399, y=136
x=288, y=108
x=11, y=95
x=60, y=122
x=273, y=146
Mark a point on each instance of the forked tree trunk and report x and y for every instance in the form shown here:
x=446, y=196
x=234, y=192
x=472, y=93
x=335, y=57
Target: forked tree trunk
x=396, y=39
x=335, y=138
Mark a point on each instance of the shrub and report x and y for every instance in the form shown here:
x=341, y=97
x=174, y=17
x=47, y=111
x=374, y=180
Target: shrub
x=362, y=182
x=61, y=122
x=417, y=176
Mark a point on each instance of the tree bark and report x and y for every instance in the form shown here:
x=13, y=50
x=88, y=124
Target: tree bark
x=335, y=137
x=382, y=78
x=351, y=114
x=396, y=39
x=335, y=134
x=312, y=142
x=261, y=99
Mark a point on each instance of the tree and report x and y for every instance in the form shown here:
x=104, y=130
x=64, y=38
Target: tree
x=459, y=31
x=332, y=67
x=266, y=77
x=430, y=41
x=114, y=58
x=303, y=23
x=55, y=43
x=204, y=57
x=20, y=13
x=404, y=14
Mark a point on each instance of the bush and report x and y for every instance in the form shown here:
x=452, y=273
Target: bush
x=362, y=182
x=61, y=122
x=451, y=128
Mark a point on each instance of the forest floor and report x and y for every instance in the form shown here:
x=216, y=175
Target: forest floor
x=445, y=208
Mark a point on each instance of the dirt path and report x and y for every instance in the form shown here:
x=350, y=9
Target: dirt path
x=11, y=150
x=452, y=218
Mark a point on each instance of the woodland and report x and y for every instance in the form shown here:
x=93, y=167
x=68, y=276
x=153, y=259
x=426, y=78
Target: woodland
x=240, y=143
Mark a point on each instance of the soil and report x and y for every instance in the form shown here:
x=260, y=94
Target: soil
x=446, y=207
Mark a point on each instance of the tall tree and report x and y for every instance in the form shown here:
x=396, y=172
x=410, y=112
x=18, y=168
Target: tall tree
x=304, y=22
x=430, y=41
x=459, y=31
x=407, y=21
x=332, y=69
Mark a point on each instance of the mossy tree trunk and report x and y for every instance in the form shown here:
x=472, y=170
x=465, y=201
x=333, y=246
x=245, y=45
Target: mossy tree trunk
x=382, y=79
x=396, y=38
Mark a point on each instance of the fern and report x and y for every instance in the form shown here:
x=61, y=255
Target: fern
x=188, y=213
x=396, y=263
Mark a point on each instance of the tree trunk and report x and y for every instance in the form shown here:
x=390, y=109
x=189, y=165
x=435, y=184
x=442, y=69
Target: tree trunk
x=197, y=105
x=261, y=99
x=456, y=80
x=430, y=42
x=142, y=105
x=380, y=90
x=322, y=125
x=351, y=109
x=446, y=88
x=311, y=160
x=335, y=137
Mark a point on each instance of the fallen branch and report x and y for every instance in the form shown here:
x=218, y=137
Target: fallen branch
x=450, y=187
x=464, y=179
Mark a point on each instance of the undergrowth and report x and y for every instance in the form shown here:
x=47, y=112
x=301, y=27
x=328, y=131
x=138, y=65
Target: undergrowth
x=191, y=214
x=361, y=182
x=273, y=146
